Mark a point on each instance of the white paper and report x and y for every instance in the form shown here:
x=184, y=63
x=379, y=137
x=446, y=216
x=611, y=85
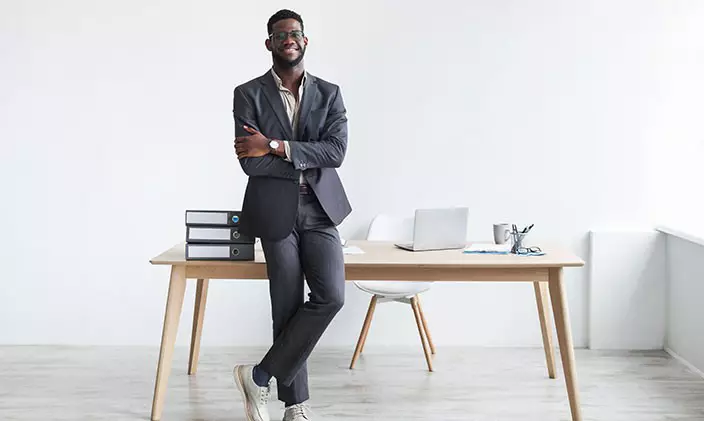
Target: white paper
x=488, y=248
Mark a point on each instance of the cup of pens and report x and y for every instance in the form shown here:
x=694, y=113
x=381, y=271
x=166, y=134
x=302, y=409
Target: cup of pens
x=517, y=238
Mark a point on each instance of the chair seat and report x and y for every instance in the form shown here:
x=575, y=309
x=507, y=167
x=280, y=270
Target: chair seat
x=393, y=289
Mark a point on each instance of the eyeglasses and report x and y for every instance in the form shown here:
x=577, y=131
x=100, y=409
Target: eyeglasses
x=528, y=250
x=297, y=35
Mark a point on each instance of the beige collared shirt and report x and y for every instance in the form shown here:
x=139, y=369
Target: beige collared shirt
x=292, y=106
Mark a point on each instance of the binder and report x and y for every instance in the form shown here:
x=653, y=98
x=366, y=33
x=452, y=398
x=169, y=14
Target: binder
x=220, y=218
x=216, y=235
x=242, y=252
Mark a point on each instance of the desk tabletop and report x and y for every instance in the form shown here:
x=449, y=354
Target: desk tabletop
x=385, y=254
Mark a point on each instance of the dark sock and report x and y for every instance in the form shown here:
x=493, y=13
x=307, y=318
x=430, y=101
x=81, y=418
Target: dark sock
x=261, y=377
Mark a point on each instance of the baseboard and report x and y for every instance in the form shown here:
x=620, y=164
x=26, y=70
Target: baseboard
x=689, y=365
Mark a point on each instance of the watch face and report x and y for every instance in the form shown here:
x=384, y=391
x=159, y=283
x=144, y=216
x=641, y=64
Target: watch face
x=273, y=144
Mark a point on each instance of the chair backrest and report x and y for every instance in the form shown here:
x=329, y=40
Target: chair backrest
x=399, y=229
x=385, y=227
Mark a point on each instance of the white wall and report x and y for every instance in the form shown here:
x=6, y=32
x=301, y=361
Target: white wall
x=116, y=117
x=685, y=324
x=676, y=128
x=627, y=290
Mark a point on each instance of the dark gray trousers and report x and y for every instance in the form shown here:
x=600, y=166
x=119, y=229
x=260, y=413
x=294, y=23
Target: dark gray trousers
x=312, y=250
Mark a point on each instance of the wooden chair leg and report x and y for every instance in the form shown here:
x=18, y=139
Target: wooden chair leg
x=198, y=313
x=369, y=324
x=419, y=323
x=365, y=331
x=425, y=326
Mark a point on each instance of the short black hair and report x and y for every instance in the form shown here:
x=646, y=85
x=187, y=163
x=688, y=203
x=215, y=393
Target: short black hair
x=281, y=15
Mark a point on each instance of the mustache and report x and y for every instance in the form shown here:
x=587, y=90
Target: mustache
x=298, y=47
x=283, y=62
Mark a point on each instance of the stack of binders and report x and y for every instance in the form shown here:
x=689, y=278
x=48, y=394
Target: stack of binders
x=215, y=235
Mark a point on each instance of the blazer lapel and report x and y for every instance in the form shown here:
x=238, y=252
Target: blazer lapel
x=310, y=91
x=271, y=92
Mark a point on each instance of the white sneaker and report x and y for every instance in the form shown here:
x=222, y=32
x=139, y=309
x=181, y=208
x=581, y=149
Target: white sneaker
x=255, y=397
x=300, y=412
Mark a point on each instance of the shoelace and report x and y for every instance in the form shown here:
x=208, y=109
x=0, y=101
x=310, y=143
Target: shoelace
x=264, y=396
x=298, y=410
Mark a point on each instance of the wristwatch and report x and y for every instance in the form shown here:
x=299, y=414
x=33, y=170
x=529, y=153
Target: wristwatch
x=273, y=146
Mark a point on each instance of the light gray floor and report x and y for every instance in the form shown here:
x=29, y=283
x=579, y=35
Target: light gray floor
x=74, y=383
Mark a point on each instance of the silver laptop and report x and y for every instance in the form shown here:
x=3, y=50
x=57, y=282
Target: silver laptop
x=438, y=229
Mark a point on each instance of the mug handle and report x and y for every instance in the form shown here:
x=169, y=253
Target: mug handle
x=507, y=234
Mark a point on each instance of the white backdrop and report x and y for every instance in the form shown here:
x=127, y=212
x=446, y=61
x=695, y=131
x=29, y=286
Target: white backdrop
x=116, y=117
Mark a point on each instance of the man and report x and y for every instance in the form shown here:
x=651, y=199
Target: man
x=291, y=134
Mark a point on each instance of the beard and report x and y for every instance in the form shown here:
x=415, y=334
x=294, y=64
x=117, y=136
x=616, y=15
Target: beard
x=288, y=64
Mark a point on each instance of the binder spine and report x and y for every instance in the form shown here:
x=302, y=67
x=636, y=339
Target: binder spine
x=222, y=218
x=234, y=252
x=216, y=235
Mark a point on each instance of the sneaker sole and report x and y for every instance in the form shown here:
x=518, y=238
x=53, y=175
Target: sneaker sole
x=239, y=381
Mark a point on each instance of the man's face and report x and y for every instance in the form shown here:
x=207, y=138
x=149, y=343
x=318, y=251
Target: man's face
x=287, y=43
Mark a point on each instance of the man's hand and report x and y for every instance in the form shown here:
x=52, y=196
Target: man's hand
x=252, y=146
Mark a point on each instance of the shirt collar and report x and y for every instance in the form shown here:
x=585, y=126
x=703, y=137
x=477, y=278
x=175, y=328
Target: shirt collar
x=280, y=83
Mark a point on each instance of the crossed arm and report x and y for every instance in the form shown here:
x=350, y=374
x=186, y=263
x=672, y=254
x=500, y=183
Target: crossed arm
x=258, y=160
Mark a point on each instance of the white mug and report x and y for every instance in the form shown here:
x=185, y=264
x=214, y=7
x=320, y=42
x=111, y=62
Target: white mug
x=502, y=233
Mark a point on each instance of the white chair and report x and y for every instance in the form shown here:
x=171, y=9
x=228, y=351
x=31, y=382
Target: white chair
x=395, y=229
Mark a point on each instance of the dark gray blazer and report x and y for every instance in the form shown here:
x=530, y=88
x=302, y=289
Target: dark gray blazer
x=271, y=199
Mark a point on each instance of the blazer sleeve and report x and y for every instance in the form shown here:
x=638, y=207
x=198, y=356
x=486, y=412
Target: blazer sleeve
x=329, y=150
x=263, y=166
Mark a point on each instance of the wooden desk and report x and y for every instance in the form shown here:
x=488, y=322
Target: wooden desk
x=383, y=261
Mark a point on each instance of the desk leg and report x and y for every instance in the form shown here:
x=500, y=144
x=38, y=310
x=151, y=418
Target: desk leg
x=198, y=313
x=541, y=297
x=564, y=337
x=174, y=303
